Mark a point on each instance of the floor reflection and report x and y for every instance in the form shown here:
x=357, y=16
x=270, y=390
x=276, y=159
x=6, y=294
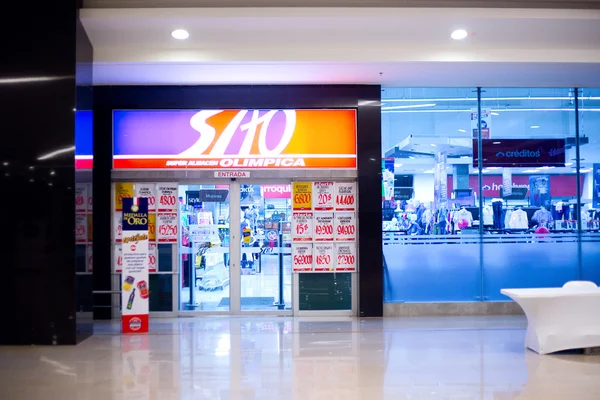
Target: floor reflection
x=284, y=358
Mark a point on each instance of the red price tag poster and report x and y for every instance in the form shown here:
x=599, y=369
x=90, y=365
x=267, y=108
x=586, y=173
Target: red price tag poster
x=345, y=257
x=345, y=196
x=323, y=196
x=302, y=226
x=90, y=198
x=302, y=257
x=118, y=226
x=81, y=228
x=118, y=258
x=147, y=190
x=166, y=227
x=324, y=226
x=152, y=258
x=89, y=259
x=166, y=197
x=324, y=257
x=80, y=198
x=345, y=226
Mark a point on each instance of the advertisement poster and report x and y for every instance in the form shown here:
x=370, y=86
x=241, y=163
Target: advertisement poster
x=122, y=190
x=135, y=290
x=80, y=198
x=387, y=179
x=147, y=190
x=539, y=191
x=323, y=257
x=118, y=226
x=486, y=123
x=167, y=227
x=166, y=193
x=152, y=257
x=302, y=195
x=324, y=227
x=81, y=223
x=345, y=257
x=118, y=258
x=345, y=226
x=345, y=196
x=152, y=227
x=507, y=184
x=90, y=198
x=302, y=226
x=596, y=188
x=89, y=258
x=323, y=193
x=302, y=257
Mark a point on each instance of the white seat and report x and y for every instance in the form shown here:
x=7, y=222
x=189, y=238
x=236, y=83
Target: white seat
x=560, y=318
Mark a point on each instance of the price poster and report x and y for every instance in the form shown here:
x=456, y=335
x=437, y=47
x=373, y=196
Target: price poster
x=147, y=190
x=80, y=198
x=345, y=226
x=152, y=227
x=152, y=257
x=81, y=223
x=323, y=256
x=166, y=193
x=89, y=259
x=345, y=196
x=302, y=195
x=90, y=198
x=122, y=190
x=302, y=257
x=345, y=255
x=323, y=196
x=118, y=226
x=324, y=227
x=118, y=258
x=166, y=227
x=302, y=226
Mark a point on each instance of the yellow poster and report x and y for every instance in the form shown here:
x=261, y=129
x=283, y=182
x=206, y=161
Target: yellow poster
x=122, y=189
x=152, y=227
x=302, y=195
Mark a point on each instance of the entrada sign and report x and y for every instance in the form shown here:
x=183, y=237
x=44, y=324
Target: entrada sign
x=235, y=139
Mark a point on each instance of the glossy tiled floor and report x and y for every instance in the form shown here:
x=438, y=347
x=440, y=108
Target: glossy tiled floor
x=309, y=359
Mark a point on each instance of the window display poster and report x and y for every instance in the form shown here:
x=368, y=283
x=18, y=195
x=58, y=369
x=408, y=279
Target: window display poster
x=302, y=195
x=81, y=228
x=539, y=191
x=486, y=123
x=324, y=227
x=152, y=227
x=147, y=190
x=345, y=226
x=302, y=226
x=152, y=257
x=166, y=227
x=507, y=184
x=596, y=182
x=80, y=198
x=302, y=257
x=122, y=190
x=89, y=259
x=90, y=197
x=345, y=196
x=118, y=258
x=345, y=257
x=135, y=291
x=166, y=194
x=323, y=196
x=387, y=179
x=118, y=226
x=323, y=256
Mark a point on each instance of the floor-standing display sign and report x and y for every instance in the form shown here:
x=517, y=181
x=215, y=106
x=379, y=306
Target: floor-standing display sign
x=134, y=278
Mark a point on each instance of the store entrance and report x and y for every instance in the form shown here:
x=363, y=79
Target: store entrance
x=235, y=248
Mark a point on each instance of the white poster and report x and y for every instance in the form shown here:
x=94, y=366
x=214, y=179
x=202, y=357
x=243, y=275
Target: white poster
x=90, y=197
x=302, y=257
x=81, y=225
x=147, y=190
x=506, y=182
x=166, y=194
x=323, y=196
x=89, y=259
x=152, y=258
x=345, y=196
x=345, y=226
x=345, y=254
x=486, y=123
x=166, y=227
x=118, y=258
x=302, y=226
x=204, y=233
x=323, y=256
x=324, y=226
x=118, y=226
x=80, y=198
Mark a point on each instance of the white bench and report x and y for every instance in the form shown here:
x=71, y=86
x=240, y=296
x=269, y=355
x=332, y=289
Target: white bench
x=560, y=318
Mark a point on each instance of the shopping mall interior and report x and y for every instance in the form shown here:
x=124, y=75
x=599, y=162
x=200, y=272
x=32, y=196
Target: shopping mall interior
x=326, y=199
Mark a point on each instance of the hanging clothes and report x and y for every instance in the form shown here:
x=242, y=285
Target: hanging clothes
x=542, y=216
x=519, y=219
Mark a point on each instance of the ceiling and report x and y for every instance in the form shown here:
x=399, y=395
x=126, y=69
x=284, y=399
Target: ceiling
x=390, y=46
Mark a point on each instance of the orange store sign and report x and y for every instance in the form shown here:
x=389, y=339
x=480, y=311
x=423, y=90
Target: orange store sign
x=246, y=139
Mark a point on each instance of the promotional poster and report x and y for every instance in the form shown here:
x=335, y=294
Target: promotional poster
x=135, y=290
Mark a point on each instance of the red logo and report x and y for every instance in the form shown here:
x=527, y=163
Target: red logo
x=133, y=247
x=135, y=324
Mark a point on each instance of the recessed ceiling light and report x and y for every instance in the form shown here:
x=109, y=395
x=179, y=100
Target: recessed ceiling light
x=568, y=164
x=180, y=34
x=496, y=142
x=531, y=171
x=462, y=130
x=494, y=113
x=534, y=126
x=5, y=163
x=433, y=145
x=459, y=34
